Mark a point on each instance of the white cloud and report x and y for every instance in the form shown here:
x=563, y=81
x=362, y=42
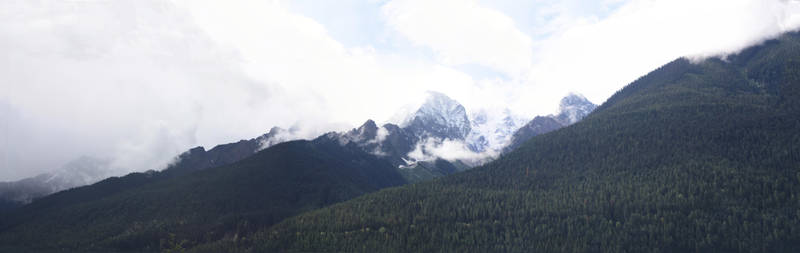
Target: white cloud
x=102, y=78
x=297, y=56
x=141, y=81
x=137, y=81
x=462, y=32
x=598, y=58
x=448, y=149
x=381, y=135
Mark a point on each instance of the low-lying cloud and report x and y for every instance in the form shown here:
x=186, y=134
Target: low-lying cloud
x=138, y=82
x=596, y=58
x=430, y=149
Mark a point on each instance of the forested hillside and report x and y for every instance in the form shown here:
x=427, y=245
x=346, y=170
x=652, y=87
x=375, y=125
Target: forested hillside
x=693, y=157
x=176, y=213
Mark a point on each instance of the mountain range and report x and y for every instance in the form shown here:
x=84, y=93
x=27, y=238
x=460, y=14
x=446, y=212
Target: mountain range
x=696, y=156
x=287, y=178
x=82, y=171
x=415, y=145
x=87, y=170
x=135, y=211
x=439, y=118
x=571, y=109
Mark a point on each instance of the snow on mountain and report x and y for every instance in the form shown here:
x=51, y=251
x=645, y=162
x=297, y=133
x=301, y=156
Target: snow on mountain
x=440, y=117
x=437, y=128
x=492, y=129
x=438, y=133
x=573, y=108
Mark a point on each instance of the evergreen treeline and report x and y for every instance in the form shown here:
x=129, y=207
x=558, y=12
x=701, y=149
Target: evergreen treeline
x=135, y=213
x=693, y=157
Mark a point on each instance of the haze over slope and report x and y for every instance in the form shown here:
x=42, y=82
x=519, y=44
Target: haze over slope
x=139, y=82
x=141, y=210
x=691, y=157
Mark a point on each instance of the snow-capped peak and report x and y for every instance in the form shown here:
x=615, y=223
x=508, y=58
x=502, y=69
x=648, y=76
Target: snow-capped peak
x=573, y=108
x=492, y=129
x=439, y=116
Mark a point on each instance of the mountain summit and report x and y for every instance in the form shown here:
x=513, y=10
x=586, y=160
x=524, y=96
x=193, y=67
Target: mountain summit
x=696, y=156
x=257, y=182
x=492, y=130
x=439, y=116
x=572, y=108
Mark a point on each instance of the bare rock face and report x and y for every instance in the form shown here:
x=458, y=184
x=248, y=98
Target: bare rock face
x=439, y=117
x=539, y=125
x=198, y=158
x=573, y=108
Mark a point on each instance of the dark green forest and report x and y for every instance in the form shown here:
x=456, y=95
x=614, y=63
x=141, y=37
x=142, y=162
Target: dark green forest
x=693, y=157
x=696, y=156
x=138, y=213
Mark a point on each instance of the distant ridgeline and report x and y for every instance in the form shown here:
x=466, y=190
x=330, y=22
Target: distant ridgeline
x=156, y=211
x=439, y=118
x=692, y=157
x=700, y=157
x=233, y=190
x=87, y=170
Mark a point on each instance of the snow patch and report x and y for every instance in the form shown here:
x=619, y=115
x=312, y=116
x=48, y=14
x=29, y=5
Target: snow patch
x=492, y=129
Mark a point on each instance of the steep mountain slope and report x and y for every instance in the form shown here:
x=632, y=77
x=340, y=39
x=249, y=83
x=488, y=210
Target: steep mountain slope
x=537, y=126
x=211, y=204
x=198, y=158
x=88, y=170
x=82, y=171
x=492, y=131
x=439, y=117
x=691, y=157
x=571, y=109
x=393, y=144
x=441, y=125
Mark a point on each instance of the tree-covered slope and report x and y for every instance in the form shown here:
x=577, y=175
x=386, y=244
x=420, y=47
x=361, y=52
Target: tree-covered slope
x=693, y=157
x=222, y=202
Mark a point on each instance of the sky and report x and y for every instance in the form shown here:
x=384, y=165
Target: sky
x=140, y=81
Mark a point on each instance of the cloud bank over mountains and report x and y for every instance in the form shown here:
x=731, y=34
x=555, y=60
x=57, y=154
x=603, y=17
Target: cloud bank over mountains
x=138, y=82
